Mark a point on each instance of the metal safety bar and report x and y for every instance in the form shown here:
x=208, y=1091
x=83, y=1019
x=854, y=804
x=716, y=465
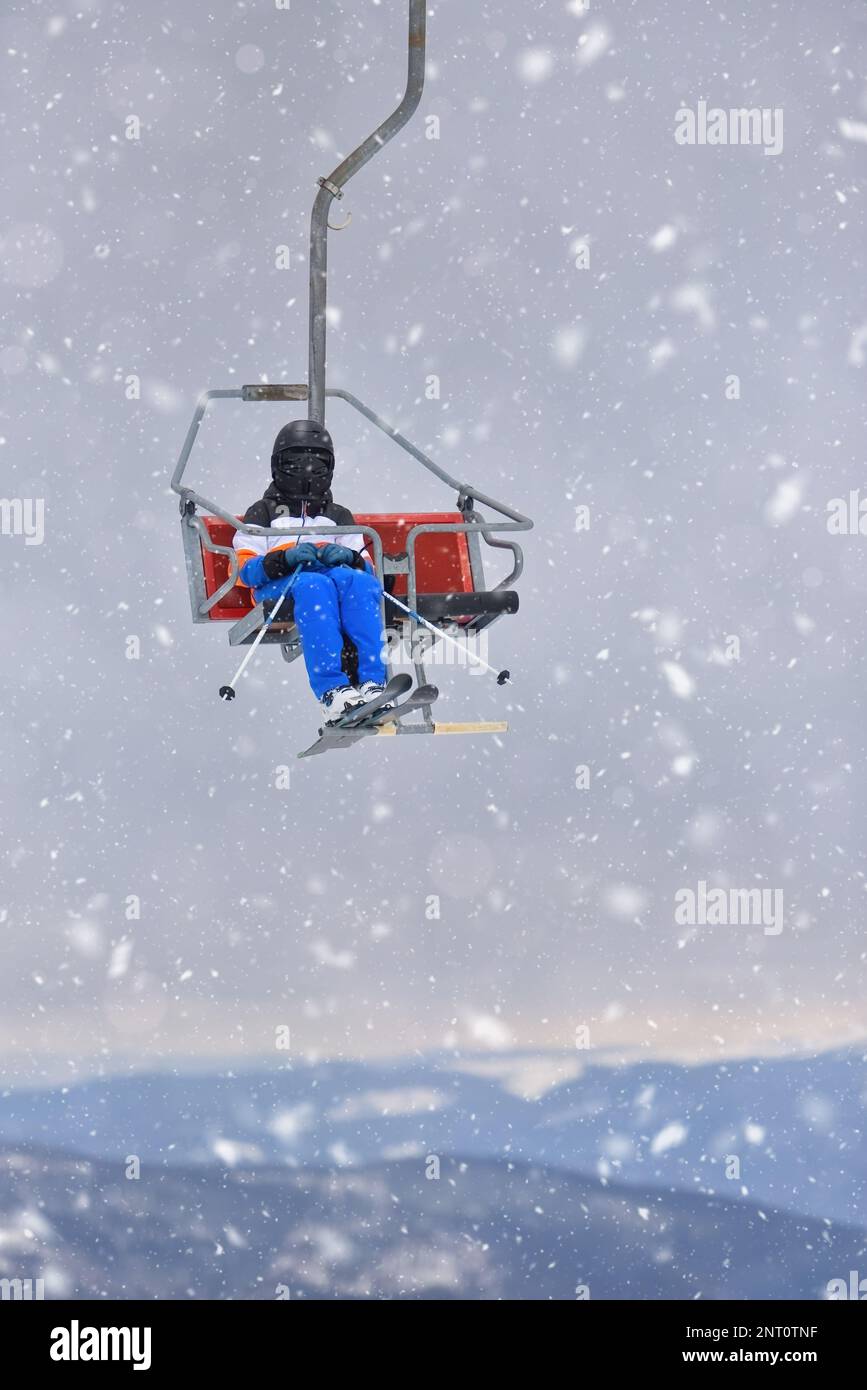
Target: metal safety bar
x=467, y=493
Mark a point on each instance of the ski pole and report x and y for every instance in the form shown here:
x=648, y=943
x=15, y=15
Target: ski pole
x=503, y=677
x=227, y=692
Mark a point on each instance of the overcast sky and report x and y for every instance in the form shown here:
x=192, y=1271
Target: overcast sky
x=563, y=385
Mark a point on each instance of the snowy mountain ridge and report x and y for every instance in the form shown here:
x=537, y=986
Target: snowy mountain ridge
x=786, y=1131
x=474, y=1229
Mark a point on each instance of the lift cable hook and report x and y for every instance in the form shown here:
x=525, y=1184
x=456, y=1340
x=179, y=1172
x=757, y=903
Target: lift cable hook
x=335, y=192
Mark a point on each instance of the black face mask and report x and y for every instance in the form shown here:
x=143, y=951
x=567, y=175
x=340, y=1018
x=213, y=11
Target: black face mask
x=303, y=475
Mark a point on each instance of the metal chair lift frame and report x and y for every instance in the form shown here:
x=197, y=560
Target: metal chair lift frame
x=481, y=607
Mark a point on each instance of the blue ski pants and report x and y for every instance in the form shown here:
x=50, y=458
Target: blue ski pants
x=329, y=606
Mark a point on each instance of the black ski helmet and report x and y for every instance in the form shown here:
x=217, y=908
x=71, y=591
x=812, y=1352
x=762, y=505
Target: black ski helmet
x=302, y=461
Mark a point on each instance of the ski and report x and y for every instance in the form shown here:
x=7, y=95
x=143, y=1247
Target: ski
x=369, y=717
x=397, y=686
x=423, y=695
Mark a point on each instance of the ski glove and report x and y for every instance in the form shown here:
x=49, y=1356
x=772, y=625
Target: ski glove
x=278, y=563
x=334, y=554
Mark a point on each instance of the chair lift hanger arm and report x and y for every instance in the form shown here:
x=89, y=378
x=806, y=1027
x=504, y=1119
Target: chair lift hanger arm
x=332, y=187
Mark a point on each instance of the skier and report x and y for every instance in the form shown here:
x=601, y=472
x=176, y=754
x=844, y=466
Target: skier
x=335, y=592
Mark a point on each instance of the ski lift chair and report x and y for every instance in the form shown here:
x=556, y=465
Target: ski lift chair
x=432, y=561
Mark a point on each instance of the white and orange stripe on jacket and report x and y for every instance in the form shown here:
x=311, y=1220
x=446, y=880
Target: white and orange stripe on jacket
x=248, y=547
